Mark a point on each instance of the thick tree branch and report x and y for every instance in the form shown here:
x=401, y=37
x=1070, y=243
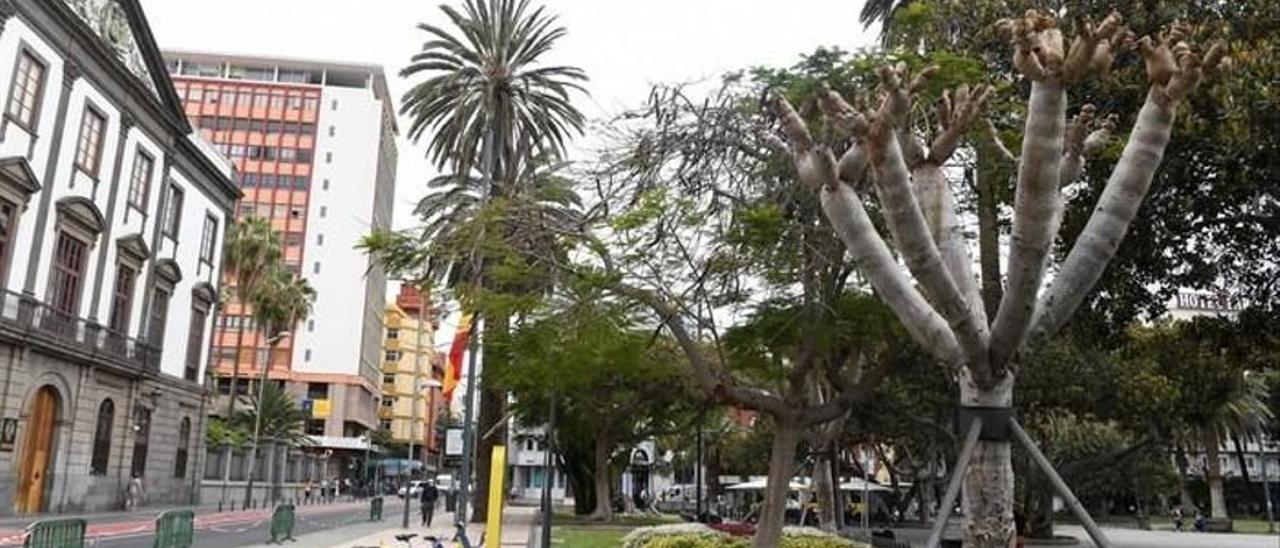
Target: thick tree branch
x=1129, y=181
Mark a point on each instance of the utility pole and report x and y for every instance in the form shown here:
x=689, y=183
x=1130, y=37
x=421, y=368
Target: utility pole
x=697, y=472
x=468, y=406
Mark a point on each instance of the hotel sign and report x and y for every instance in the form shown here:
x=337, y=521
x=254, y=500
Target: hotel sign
x=1220, y=302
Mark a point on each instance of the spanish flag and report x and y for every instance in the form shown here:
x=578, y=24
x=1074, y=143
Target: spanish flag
x=453, y=370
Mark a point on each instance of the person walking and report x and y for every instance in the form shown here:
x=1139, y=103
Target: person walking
x=428, y=496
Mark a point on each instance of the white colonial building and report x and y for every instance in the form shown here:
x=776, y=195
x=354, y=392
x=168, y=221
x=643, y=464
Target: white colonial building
x=112, y=216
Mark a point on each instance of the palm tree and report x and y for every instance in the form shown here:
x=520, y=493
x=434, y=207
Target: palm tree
x=1235, y=417
x=252, y=251
x=280, y=302
x=489, y=103
x=486, y=82
x=282, y=418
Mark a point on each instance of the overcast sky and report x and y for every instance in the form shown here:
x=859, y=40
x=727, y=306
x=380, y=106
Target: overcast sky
x=624, y=46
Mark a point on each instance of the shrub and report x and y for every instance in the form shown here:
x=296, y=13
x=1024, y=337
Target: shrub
x=642, y=537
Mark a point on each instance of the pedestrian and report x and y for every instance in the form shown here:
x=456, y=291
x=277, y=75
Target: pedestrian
x=1199, y=523
x=306, y=492
x=428, y=496
x=1177, y=518
x=133, y=494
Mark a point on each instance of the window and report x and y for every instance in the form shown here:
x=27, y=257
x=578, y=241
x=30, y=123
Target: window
x=8, y=229
x=292, y=239
x=315, y=427
x=388, y=378
x=317, y=390
x=122, y=298
x=323, y=211
x=384, y=425
x=316, y=269
x=173, y=212
x=319, y=239
x=331, y=130
x=306, y=356
x=393, y=355
x=328, y=157
x=393, y=333
x=68, y=273
x=184, y=441
x=208, y=239
x=325, y=186
x=311, y=325
x=89, y=147
x=159, y=315
x=140, y=180
x=102, y=439
x=195, y=342
x=141, y=436
x=24, y=94
x=388, y=402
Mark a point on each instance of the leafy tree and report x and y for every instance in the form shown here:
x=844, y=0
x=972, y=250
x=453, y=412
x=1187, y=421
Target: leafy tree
x=612, y=384
x=494, y=108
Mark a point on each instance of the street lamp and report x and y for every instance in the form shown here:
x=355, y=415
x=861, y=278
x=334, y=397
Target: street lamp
x=257, y=415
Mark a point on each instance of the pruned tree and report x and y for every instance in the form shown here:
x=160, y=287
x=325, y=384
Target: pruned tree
x=937, y=296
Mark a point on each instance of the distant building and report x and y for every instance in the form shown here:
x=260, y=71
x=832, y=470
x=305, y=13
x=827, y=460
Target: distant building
x=313, y=143
x=112, y=216
x=410, y=359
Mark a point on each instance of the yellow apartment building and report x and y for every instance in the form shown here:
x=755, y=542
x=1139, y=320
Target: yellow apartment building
x=408, y=358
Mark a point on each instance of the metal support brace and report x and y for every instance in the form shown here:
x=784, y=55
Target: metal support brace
x=1065, y=492
x=975, y=419
x=953, y=487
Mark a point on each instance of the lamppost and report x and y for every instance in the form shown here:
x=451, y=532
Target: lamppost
x=257, y=415
x=418, y=385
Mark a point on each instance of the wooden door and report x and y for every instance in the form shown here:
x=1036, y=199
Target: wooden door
x=37, y=452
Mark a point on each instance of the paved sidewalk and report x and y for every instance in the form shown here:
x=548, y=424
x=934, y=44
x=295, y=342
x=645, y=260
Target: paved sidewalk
x=517, y=526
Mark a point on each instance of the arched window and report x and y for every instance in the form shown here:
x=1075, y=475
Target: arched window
x=184, y=439
x=102, y=438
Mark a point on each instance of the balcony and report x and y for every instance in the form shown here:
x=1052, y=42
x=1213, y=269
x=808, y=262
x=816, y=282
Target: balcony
x=34, y=322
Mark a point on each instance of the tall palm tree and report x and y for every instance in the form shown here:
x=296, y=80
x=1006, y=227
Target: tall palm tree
x=491, y=106
x=486, y=80
x=280, y=301
x=252, y=251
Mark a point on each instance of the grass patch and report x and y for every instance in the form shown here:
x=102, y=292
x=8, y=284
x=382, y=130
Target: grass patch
x=599, y=536
x=626, y=520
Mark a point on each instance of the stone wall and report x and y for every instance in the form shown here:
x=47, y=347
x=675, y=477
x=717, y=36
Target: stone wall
x=81, y=389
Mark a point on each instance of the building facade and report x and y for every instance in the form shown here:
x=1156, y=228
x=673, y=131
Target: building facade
x=313, y=146
x=410, y=359
x=112, y=216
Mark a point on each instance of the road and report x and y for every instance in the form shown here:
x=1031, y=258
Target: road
x=213, y=529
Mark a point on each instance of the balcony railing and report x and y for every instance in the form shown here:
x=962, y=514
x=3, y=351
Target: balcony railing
x=42, y=322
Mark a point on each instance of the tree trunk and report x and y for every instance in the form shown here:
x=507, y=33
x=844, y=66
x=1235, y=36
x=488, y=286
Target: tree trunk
x=600, y=478
x=824, y=489
x=1238, y=451
x=781, y=460
x=988, y=482
x=1213, y=476
x=1184, y=494
x=493, y=411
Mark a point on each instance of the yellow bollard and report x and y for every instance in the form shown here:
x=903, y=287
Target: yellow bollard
x=497, y=469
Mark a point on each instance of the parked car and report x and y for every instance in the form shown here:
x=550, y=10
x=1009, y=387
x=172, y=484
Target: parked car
x=444, y=482
x=414, y=488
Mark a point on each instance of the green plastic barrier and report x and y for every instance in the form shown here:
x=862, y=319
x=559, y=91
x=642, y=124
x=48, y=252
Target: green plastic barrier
x=375, y=509
x=175, y=529
x=55, y=533
x=282, y=524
